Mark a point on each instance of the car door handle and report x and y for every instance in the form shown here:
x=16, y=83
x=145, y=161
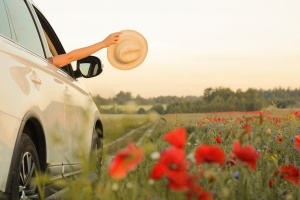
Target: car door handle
x=35, y=79
x=67, y=92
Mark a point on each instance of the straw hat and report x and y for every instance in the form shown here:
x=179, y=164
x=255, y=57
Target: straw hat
x=129, y=52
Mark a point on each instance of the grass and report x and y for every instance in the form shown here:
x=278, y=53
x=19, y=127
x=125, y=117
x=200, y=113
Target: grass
x=225, y=182
x=129, y=108
x=132, y=107
x=248, y=185
x=116, y=125
x=133, y=137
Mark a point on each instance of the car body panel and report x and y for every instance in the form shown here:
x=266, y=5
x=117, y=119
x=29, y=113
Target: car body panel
x=9, y=126
x=33, y=87
x=32, y=80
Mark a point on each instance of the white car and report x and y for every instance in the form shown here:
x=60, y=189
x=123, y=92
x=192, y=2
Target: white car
x=48, y=119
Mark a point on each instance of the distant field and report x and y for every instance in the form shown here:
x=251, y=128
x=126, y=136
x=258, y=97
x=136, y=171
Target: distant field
x=187, y=118
x=131, y=107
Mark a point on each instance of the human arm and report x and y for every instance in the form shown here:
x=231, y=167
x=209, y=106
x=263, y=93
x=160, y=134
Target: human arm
x=77, y=54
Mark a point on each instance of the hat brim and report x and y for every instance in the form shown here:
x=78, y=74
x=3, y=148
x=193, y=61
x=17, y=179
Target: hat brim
x=128, y=34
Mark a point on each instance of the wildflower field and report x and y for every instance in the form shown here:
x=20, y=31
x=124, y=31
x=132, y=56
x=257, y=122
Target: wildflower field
x=238, y=155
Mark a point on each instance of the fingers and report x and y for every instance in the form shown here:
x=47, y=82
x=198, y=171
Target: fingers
x=115, y=37
x=112, y=38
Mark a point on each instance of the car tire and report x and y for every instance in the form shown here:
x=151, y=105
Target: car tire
x=25, y=167
x=97, y=150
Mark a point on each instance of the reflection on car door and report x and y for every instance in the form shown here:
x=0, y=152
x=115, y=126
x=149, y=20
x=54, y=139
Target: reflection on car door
x=79, y=123
x=36, y=77
x=77, y=126
x=39, y=83
x=51, y=100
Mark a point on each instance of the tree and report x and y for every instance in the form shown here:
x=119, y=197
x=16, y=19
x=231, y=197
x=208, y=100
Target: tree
x=141, y=111
x=207, y=94
x=253, y=101
x=122, y=98
x=218, y=104
x=141, y=101
x=210, y=94
x=102, y=101
x=158, y=108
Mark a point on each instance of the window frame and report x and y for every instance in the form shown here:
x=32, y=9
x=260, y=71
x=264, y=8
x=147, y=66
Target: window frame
x=8, y=21
x=14, y=35
x=44, y=25
x=41, y=24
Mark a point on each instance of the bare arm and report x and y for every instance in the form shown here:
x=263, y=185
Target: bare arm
x=64, y=59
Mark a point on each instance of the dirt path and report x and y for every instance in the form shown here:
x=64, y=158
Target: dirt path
x=149, y=131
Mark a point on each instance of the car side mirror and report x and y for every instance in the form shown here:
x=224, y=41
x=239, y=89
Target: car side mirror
x=88, y=67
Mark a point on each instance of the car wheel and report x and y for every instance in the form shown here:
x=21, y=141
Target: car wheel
x=26, y=165
x=97, y=150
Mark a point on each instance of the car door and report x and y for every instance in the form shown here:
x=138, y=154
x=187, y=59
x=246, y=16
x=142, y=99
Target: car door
x=37, y=78
x=73, y=95
x=79, y=122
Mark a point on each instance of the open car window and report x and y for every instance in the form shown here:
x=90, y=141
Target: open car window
x=51, y=45
x=53, y=42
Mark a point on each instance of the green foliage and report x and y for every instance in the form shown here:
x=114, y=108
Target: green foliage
x=210, y=94
x=141, y=111
x=218, y=99
x=158, y=108
x=122, y=98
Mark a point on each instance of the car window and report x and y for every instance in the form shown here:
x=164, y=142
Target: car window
x=53, y=42
x=4, y=28
x=24, y=27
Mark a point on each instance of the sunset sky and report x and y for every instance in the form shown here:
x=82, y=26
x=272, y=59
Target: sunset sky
x=192, y=44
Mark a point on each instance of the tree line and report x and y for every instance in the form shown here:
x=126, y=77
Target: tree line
x=218, y=99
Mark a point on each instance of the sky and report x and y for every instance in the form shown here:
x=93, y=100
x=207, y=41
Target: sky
x=192, y=44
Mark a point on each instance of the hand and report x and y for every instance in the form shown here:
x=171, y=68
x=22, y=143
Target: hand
x=111, y=39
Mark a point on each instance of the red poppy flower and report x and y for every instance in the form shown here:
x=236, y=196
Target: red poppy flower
x=173, y=165
x=297, y=142
x=206, y=195
x=246, y=154
x=210, y=154
x=297, y=114
x=219, y=140
x=125, y=160
x=171, y=159
x=290, y=173
x=178, y=180
x=247, y=128
x=261, y=117
x=158, y=171
x=176, y=137
x=272, y=181
x=279, y=138
x=195, y=190
x=231, y=160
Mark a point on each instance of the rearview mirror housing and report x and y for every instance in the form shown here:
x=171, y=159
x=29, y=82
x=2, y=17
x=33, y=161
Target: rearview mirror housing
x=88, y=67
